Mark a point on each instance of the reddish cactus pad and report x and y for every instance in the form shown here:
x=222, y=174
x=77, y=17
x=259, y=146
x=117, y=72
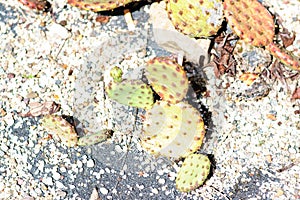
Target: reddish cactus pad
x=98, y=5
x=172, y=130
x=41, y=5
x=252, y=22
x=167, y=78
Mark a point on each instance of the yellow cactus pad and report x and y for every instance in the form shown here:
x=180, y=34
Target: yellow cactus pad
x=172, y=130
x=61, y=129
x=196, y=18
x=193, y=173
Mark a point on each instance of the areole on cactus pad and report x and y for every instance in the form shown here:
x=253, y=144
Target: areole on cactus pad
x=196, y=18
x=252, y=22
x=99, y=5
x=172, y=130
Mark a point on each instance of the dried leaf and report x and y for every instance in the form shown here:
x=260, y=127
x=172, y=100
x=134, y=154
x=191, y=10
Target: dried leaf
x=248, y=78
x=296, y=94
x=95, y=195
x=38, y=109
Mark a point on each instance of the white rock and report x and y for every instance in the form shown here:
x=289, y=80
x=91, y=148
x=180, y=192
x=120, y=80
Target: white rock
x=103, y=190
x=56, y=175
x=90, y=163
x=47, y=181
x=59, y=184
x=154, y=191
x=57, y=31
x=161, y=181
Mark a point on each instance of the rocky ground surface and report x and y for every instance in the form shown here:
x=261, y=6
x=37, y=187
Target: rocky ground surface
x=252, y=132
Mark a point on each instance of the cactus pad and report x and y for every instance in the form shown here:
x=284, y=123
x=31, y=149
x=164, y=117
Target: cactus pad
x=172, y=130
x=116, y=73
x=167, y=78
x=252, y=22
x=61, y=129
x=196, y=18
x=98, y=5
x=193, y=172
x=132, y=93
x=94, y=138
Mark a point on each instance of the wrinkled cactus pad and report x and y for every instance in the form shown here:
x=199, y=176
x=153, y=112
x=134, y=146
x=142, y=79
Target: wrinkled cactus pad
x=167, y=78
x=116, y=73
x=193, y=172
x=131, y=93
x=93, y=138
x=196, y=18
x=172, y=130
x=98, y=5
x=250, y=20
x=62, y=129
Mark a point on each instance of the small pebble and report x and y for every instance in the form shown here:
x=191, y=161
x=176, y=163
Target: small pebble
x=103, y=190
x=90, y=163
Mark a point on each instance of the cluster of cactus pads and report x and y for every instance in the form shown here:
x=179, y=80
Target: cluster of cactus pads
x=196, y=18
x=172, y=127
x=99, y=5
x=252, y=22
x=66, y=133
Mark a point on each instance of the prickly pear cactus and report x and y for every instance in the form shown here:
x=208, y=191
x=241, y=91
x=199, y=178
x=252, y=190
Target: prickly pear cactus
x=40, y=5
x=167, y=78
x=61, y=129
x=193, y=172
x=196, y=18
x=98, y=5
x=94, y=138
x=172, y=130
x=132, y=93
x=252, y=22
x=116, y=73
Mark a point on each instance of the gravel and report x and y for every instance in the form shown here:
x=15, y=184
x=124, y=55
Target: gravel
x=253, y=143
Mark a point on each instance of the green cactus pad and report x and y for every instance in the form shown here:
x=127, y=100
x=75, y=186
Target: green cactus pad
x=172, y=130
x=193, y=172
x=250, y=20
x=116, y=73
x=167, y=78
x=61, y=129
x=196, y=18
x=98, y=5
x=132, y=93
x=91, y=139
